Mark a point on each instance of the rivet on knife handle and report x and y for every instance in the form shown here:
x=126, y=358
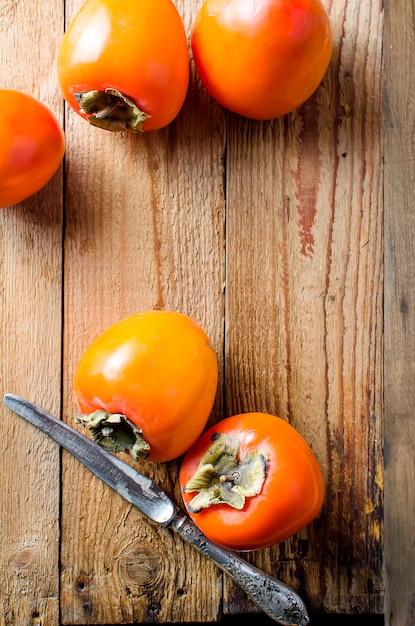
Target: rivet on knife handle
x=273, y=597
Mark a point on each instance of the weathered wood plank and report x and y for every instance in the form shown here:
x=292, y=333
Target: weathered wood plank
x=304, y=256
x=30, y=339
x=144, y=230
x=399, y=50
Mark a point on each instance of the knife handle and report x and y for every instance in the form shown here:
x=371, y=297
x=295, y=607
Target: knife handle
x=274, y=598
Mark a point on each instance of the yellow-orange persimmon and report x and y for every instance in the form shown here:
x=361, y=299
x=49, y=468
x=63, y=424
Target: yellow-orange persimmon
x=147, y=385
x=124, y=65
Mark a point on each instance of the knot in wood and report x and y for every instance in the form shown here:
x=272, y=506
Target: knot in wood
x=140, y=565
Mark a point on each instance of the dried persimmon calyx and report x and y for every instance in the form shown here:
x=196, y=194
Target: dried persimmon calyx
x=223, y=478
x=116, y=433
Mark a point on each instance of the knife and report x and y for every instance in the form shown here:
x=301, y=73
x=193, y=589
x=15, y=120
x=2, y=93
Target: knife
x=274, y=598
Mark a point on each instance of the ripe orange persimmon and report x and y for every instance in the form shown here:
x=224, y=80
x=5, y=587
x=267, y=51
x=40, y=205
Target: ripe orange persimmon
x=261, y=58
x=31, y=149
x=124, y=65
x=147, y=385
x=251, y=481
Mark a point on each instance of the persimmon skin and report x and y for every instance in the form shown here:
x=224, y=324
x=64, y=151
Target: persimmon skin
x=137, y=48
x=261, y=58
x=159, y=370
x=31, y=149
x=292, y=494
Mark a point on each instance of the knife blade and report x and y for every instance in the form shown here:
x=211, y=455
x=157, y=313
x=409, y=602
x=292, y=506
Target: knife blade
x=273, y=597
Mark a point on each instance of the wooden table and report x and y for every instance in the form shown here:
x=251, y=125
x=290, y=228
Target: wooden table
x=273, y=235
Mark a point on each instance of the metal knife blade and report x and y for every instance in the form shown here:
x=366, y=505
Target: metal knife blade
x=136, y=488
x=277, y=600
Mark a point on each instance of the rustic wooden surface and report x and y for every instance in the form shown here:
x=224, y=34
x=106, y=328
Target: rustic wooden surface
x=399, y=385
x=272, y=236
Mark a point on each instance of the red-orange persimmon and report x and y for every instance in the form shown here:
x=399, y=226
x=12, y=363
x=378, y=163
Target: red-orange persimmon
x=124, y=65
x=251, y=481
x=147, y=384
x=261, y=58
x=31, y=148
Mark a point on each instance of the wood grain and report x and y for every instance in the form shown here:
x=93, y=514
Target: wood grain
x=269, y=234
x=304, y=255
x=399, y=315
x=30, y=340
x=144, y=230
